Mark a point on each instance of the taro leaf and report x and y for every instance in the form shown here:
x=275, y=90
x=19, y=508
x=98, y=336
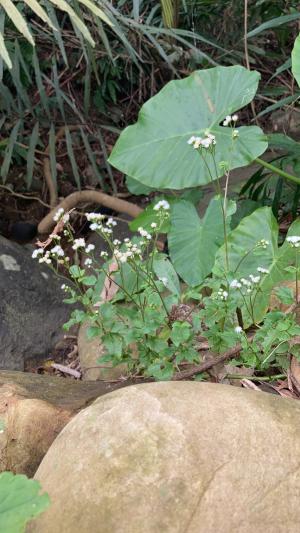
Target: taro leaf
x=164, y=269
x=149, y=215
x=137, y=188
x=155, y=152
x=296, y=60
x=244, y=258
x=19, y=502
x=193, y=242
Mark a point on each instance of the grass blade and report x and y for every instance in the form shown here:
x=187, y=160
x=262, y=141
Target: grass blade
x=273, y=23
x=9, y=150
x=52, y=157
x=92, y=159
x=19, y=21
x=30, y=154
x=72, y=157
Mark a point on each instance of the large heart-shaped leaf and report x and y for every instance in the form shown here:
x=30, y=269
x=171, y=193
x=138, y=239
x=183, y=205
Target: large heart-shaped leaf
x=155, y=152
x=19, y=501
x=245, y=257
x=193, y=242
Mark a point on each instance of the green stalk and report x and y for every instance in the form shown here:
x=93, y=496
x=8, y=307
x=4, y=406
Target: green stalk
x=277, y=170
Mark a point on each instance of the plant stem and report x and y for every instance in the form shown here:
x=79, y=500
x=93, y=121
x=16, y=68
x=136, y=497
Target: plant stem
x=278, y=171
x=297, y=288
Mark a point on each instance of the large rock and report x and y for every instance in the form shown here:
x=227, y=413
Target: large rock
x=177, y=457
x=90, y=352
x=31, y=308
x=33, y=410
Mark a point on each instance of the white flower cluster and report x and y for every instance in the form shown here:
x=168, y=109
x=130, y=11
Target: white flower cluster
x=97, y=223
x=57, y=251
x=294, y=241
x=263, y=270
x=248, y=284
x=164, y=280
x=229, y=119
x=144, y=233
x=61, y=215
x=162, y=204
x=222, y=294
x=263, y=243
x=78, y=243
x=238, y=329
x=206, y=142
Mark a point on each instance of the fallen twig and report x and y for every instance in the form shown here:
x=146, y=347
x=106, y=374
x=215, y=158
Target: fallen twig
x=67, y=370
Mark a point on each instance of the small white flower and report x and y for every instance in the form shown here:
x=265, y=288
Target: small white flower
x=90, y=248
x=54, y=236
x=108, y=231
x=263, y=243
x=88, y=261
x=57, y=250
x=222, y=294
x=192, y=139
x=254, y=279
x=162, y=204
x=126, y=240
x=235, y=284
x=144, y=233
x=238, y=329
x=234, y=118
x=78, y=243
x=235, y=134
x=246, y=282
x=45, y=259
x=94, y=226
x=116, y=242
x=58, y=215
x=103, y=254
x=153, y=225
x=66, y=218
x=164, y=280
x=263, y=270
x=294, y=241
x=94, y=217
x=227, y=120
x=111, y=222
x=63, y=287
x=37, y=252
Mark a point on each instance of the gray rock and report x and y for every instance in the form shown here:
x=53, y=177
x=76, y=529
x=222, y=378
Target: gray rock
x=175, y=457
x=31, y=308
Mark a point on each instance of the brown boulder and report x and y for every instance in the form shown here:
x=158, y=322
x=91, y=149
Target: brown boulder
x=176, y=457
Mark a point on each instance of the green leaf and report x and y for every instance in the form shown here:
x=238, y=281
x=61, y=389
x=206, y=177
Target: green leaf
x=113, y=344
x=137, y=188
x=89, y=280
x=193, y=242
x=181, y=332
x=155, y=152
x=296, y=60
x=285, y=295
x=164, y=269
x=244, y=257
x=20, y=501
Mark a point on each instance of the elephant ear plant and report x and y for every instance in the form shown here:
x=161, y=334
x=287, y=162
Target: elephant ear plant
x=186, y=136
